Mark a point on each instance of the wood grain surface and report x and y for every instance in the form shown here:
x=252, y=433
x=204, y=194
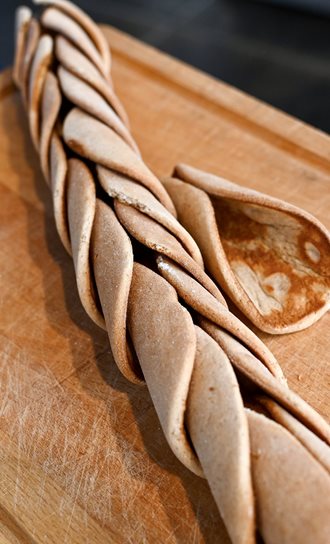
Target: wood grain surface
x=82, y=455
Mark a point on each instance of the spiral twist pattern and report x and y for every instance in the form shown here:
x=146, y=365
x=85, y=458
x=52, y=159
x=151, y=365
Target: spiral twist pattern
x=140, y=276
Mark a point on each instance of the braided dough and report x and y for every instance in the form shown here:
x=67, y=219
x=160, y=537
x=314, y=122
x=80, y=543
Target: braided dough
x=135, y=266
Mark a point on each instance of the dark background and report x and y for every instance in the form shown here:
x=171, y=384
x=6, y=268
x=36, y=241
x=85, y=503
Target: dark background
x=277, y=51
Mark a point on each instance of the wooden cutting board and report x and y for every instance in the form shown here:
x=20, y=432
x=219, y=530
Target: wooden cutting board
x=82, y=455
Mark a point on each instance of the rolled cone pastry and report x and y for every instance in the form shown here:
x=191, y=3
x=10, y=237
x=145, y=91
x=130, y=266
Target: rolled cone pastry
x=270, y=257
x=136, y=265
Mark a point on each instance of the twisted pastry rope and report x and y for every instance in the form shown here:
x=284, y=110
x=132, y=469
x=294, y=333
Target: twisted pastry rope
x=132, y=261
